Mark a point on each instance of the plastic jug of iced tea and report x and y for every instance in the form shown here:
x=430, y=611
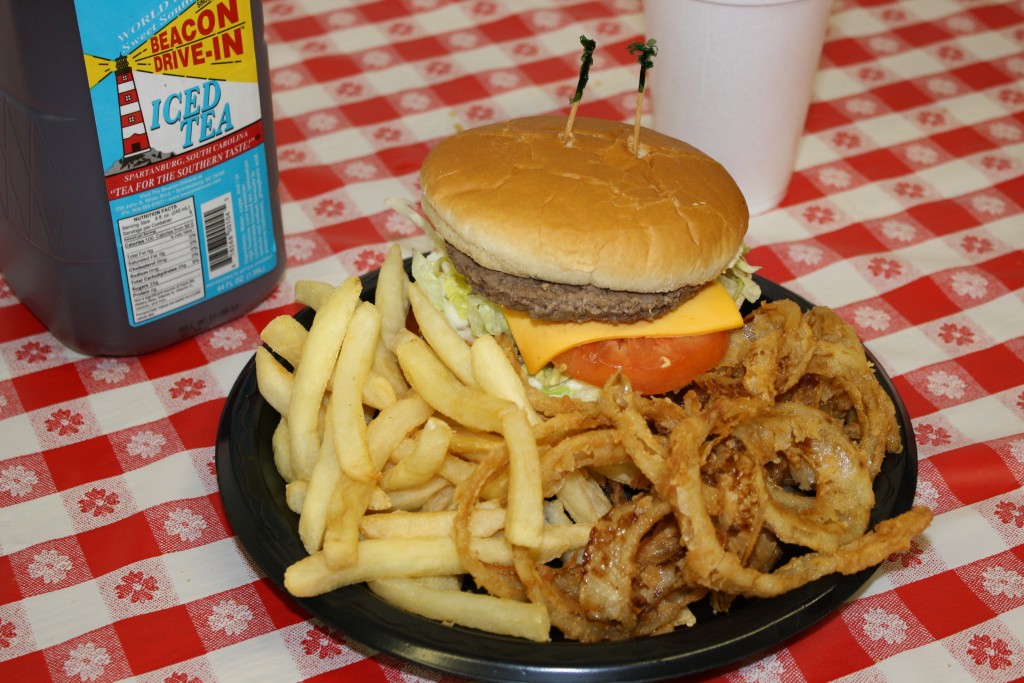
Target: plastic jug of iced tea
x=138, y=175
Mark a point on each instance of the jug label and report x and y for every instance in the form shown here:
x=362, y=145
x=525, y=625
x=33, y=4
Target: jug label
x=175, y=94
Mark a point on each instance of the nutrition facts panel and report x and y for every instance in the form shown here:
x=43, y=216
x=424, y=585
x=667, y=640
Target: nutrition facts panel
x=162, y=259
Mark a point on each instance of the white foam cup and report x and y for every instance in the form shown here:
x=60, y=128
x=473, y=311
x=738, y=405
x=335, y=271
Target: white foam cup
x=734, y=78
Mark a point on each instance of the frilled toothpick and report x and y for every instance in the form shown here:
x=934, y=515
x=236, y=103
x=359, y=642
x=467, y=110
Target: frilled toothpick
x=587, y=58
x=644, y=53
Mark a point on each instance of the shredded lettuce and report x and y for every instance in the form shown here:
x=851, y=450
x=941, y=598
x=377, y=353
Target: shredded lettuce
x=555, y=383
x=470, y=314
x=738, y=279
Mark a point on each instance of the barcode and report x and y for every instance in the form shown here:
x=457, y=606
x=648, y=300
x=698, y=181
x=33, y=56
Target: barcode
x=218, y=223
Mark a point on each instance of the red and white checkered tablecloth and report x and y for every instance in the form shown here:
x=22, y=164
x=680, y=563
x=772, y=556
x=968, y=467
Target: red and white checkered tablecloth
x=906, y=215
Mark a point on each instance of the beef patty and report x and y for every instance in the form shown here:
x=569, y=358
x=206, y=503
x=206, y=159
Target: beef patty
x=567, y=303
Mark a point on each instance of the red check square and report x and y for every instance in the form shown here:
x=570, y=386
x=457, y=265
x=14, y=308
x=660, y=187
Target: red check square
x=159, y=639
x=842, y=655
x=16, y=322
x=81, y=463
x=118, y=544
x=49, y=387
x=974, y=473
x=932, y=601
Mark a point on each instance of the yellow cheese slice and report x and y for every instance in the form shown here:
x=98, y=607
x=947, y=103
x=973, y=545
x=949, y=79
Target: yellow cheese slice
x=539, y=341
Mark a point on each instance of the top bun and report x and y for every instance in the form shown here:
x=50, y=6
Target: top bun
x=515, y=198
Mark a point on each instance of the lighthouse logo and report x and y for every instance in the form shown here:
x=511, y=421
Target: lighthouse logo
x=133, y=126
x=170, y=81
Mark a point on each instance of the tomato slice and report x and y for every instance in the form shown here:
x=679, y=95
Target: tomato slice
x=654, y=365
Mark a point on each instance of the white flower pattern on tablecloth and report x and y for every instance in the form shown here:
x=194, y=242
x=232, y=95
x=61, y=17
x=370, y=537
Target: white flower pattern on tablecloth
x=377, y=59
x=1002, y=581
x=185, y=524
x=504, y=80
x=1017, y=450
x=948, y=385
x=87, y=662
x=361, y=170
x=230, y=616
x=110, y=370
x=1006, y=132
x=921, y=154
x=884, y=45
x=400, y=225
x=415, y=101
x=861, y=106
x=286, y=78
x=227, y=338
x=323, y=122
x=146, y=444
x=17, y=480
x=967, y=284
x=837, y=178
x=882, y=625
x=50, y=566
x=342, y=19
x=805, y=253
x=943, y=87
x=899, y=231
x=464, y=40
x=988, y=204
x=926, y=494
x=871, y=318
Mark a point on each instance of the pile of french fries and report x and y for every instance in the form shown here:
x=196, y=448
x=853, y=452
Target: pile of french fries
x=379, y=427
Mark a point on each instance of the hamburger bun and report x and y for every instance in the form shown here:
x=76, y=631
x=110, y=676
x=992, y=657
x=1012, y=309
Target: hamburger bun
x=514, y=198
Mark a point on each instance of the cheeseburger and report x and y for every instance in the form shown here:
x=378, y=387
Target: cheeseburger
x=595, y=257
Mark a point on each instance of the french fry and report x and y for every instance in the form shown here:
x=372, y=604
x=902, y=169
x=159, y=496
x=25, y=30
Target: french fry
x=312, y=293
x=393, y=303
x=279, y=444
x=525, y=523
x=390, y=558
x=443, y=583
x=415, y=497
x=455, y=469
x=350, y=375
x=348, y=504
x=393, y=424
x=495, y=375
x=441, y=336
x=375, y=559
x=483, y=523
x=436, y=384
x=318, y=358
x=286, y=336
x=322, y=484
x=424, y=462
x=495, y=615
x=378, y=392
x=295, y=495
x=276, y=384
x=379, y=501
x=391, y=297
